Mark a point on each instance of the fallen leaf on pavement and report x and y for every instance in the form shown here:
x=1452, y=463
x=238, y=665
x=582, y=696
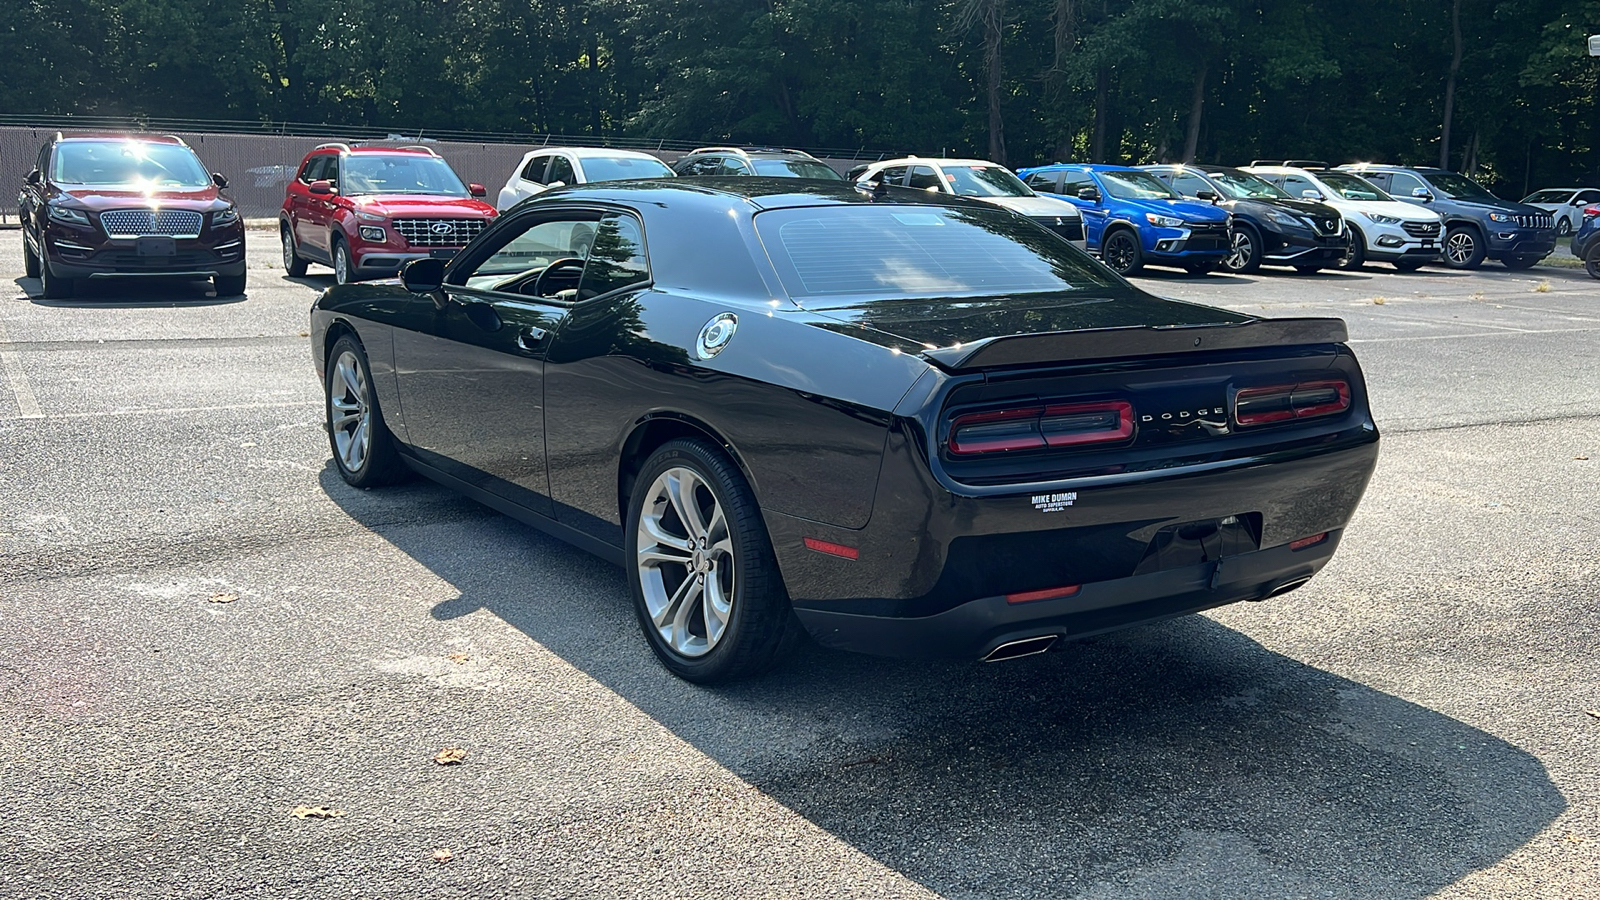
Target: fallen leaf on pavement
x=1593, y=712
x=458, y=657
x=443, y=856
x=1380, y=300
x=317, y=812
x=450, y=756
x=1584, y=458
x=224, y=597
x=1574, y=838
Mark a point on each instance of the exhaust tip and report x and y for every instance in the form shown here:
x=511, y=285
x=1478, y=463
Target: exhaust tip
x=1025, y=647
x=1288, y=586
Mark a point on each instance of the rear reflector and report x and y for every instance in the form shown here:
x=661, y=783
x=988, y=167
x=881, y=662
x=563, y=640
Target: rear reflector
x=1308, y=541
x=1048, y=594
x=1282, y=402
x=1036, y=427
x=832, y=549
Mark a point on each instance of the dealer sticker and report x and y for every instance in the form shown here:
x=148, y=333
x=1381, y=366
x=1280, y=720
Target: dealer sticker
x=1054, y=502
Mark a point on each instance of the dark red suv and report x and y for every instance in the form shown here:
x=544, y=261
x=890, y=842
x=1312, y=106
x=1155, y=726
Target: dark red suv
x=366, y=211
x=127, y=206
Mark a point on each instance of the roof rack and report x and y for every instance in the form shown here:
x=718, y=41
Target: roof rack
x=1307, y=164
x=1268, y=162
x=423, y=147
x=716, y=150
x=332, y=145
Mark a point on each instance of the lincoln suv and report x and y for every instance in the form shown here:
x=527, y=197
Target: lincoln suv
x=366, y=211
x=127, y=206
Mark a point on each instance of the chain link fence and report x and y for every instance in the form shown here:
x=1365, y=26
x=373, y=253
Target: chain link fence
x=258, y=166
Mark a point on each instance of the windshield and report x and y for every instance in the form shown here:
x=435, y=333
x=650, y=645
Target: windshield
x=794, y=168
x=127, y=162
x=1239, y=185
x=1453, y=185
x=402, y=173
x=983, y=181
x=1352, y=187
x=616, y=168
x=1135, y=186
x=919, y=252
x=1547, y=197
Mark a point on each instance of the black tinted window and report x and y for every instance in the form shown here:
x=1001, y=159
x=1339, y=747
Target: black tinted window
x=561, y=170
x=912, y=251
x=616, y=258
x=1044, y=181
x=534, y=170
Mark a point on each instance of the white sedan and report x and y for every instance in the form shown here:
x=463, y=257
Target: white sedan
x=1565, y=205
x=551, y=167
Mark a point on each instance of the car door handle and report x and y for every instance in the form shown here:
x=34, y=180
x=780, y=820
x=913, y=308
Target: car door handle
x=531, y=337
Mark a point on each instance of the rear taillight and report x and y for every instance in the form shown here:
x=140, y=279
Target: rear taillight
x=1283, y=402
x=1038, y=427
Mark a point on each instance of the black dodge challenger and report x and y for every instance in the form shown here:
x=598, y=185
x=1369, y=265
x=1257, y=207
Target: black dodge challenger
x=907, y=423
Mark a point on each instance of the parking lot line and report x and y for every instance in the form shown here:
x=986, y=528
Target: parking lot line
x=27, y=404
x=157, y=411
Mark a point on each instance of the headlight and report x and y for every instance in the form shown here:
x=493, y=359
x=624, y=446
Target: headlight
x=372, y=233
x=1499, y=217
x=69, y=215
x=224, y=217
x=1382, y=220
x=370, y=217
x=1279, y=217
x=1163, y=221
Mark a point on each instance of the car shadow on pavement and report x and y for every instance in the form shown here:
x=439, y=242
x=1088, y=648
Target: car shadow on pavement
x=1181, y=759
x=154, y=293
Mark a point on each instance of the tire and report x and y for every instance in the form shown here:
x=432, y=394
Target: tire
x=1308, y=270
x=55, y=287
x=1121, y=252
x=688, y=488
x=1355, y=253
x=1202, y=268
x=363, y=449
x=1518, y=263
x=1408, y=265
x=1245, y=257
x=1563, y=227
x=292, y=263
x=228, y=285
x=30, y=262
x=1591, y=262
x=343, y=269
x=1463, y=247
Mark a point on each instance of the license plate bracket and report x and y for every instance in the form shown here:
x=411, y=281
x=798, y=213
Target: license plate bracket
x=156, y=246
x=443, y=253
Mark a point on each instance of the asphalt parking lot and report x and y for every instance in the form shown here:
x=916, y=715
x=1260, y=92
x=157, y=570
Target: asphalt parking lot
x=204, y=629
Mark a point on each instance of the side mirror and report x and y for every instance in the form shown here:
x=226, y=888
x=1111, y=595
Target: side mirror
x=423, y=276
x=476, y=190
x=1090, y=194
x=1311, y=194
x=322, y=187
x=1423, y=194
x=556, y=184
x=35, y=177
x=218, y=180
x=1213, y=196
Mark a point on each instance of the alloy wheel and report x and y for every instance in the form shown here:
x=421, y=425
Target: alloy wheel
x=1119, y=253
x=288, y=250
x=1460, y=247
x=1240, y=255
x=1564, y=227
x=341, y=265
x=351, y=412
x=686, y=562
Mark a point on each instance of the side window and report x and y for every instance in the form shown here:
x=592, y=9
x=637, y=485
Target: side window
x=616, y=259
x=1049, y=182
x=308, y=170
x=527, y=252
x=330, y=169
x=1294, y=184
x=534, y=170
x=1190, y=185
x=1402, y=184
x=1073, y=182
x=923, y=177
x=1381, y=179
x=1587, y=197
x=561, y=170
x=732, y=165
x=44, y=160
x=705, y=165
x=894, y=175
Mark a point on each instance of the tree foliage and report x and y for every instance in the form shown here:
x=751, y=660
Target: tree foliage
x=1037, y=80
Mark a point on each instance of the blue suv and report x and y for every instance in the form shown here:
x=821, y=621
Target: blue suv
x=1130, y=218
x=1586, y=240
x=1477, y=224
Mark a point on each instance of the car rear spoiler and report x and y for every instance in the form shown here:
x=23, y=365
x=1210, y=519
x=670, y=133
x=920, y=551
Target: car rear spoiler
x=1136, y=340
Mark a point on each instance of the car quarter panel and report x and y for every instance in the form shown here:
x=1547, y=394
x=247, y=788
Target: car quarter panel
x=372, y=312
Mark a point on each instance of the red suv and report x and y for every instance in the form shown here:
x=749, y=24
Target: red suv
x=366, y=211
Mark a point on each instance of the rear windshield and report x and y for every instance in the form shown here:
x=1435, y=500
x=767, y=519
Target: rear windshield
x=127, y=162
x=794, y=168
x=918, y=251
x=616, y=168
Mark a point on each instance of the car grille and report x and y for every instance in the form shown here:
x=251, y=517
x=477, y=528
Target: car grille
x=1421, y=229
x=1071, y=229
x=439, y=232
x=128, y=223
x=1543, y=220
x=1208, y=237
x=1327, y=227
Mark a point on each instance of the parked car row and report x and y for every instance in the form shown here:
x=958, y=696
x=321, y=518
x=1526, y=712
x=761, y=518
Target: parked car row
x=127, y=206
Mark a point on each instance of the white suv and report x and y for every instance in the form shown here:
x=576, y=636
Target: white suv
x=980, y=180
x=552, y=167
x=1382, y=229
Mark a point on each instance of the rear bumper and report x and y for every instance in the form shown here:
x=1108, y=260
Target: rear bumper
x=975, y=629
